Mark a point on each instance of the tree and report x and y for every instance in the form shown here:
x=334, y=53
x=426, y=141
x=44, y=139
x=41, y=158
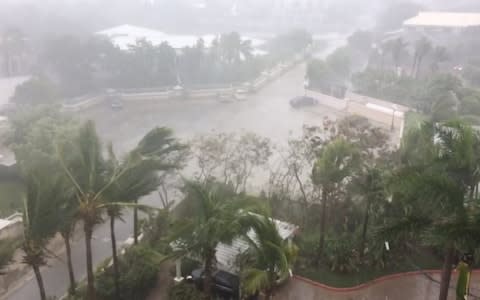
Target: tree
x=217, y=219
x=439, y=55
x=12, y=44
x=436, y=186
x=397, y=48
x=138, y=180
x=336, y=162
x=373, y=190
x=35, y=91
x=44, y=194
x=34, y=136
x=268, y=258
x=231, y=158
x=88, y=170
x=422, y=47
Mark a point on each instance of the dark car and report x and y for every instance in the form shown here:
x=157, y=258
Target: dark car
x=226, y=285
x=303, y=101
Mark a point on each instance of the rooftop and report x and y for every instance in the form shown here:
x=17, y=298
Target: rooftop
x=444, y=19
x=227, y=254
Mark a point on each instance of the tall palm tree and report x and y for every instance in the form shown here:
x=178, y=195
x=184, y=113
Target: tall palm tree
x=67, y=223
x=435, y=191
x=422, y=47
x=397, y=48
x=12, y=44
x=43, y=196
x=83, y=163
x=439, y=55
x=337, y=161
x=269, y=257
x=165, y=153
x=373, y=191
x=213, y=216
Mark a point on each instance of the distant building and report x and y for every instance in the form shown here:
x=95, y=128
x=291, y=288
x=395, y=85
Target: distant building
x=126, y=35
x=444, y=22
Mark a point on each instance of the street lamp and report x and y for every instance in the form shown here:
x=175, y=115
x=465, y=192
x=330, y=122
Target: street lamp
x=394, y=110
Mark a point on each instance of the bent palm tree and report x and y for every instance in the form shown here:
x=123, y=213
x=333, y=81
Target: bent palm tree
x=40, y=218
x=269, y=257
x=83, y=163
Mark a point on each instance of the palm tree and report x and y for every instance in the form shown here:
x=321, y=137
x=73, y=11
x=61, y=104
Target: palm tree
x=232, y=49
x=67, y=223
x=214, y=215
x=337, y=161
x=139, y=181
x=422, y=47
x=165, y=154
x=435, y=191
x=92, y=175
x=43, y=196
x=373, y=191
x=397, y=48
x=269, y=257
x=12, y=43
x=439, y=55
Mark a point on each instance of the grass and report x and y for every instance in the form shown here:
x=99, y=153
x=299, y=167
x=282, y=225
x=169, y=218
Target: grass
x=10, y=198
x=322, y=274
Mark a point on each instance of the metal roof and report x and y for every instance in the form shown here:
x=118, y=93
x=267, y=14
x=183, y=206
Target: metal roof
x=444, y=19
x=227, y=254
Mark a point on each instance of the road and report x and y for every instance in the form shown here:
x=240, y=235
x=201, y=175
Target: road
x=266, y=113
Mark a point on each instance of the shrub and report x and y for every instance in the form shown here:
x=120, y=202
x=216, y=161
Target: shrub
x=138, y=274
x=341, y=254
x=184, y=291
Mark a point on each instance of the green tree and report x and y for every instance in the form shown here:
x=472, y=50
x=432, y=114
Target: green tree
x=397, y=49
x=217, y=218
x=435, y=184
x=422, y=48
x=44, y=194
x=337, y=161
x=83, y=162
x=163, y=152
x=37, y=90
x=268, y=258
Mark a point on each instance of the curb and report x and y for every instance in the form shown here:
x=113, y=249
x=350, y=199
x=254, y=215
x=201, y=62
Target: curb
x=369, y=283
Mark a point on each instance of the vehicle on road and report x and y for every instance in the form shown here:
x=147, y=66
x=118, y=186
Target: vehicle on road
x=226, y=285
x=303, y=101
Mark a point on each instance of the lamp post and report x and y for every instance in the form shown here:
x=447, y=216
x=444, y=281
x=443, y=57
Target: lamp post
x=394, y=110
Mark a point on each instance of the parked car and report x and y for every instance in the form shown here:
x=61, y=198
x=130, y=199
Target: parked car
x=226, y=285
x=303, y=101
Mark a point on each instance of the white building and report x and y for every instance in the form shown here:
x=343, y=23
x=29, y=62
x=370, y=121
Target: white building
x=125, y=35
x=444, y=22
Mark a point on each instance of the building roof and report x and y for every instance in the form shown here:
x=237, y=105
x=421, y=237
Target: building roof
x=227, y=254
x=444, y=19
x=125, y=35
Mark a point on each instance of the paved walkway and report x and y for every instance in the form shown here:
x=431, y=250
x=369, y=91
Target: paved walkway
x=407, y=287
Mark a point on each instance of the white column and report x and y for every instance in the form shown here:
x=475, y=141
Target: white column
x=178, y=271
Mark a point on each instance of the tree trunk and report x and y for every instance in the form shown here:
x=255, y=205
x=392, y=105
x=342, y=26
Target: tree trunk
x=41, y=287
x=71, y=273
x=207, y=284
x=414, y=65
x=419, y=63
x=323, y=222
x=446, y=273
x=135, y=224
x=116, y=273
x=364, y=230
x=88, y=228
